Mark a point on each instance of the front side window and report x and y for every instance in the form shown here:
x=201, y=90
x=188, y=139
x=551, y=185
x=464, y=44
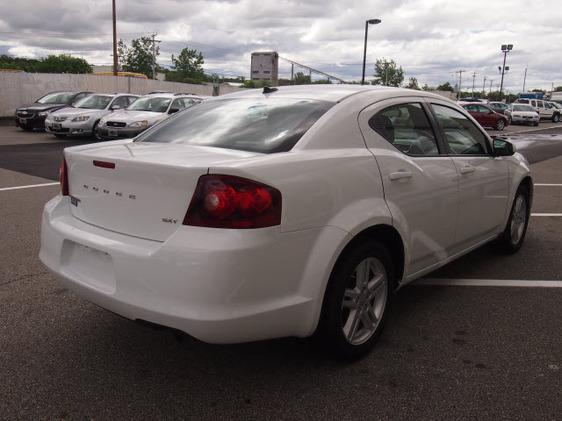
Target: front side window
x=407, y=127
x=461, y=135
x=94, y=102
x=263, y=125
x=484, y=110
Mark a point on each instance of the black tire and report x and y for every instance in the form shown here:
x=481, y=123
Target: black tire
x=556, y=118
x=26, y=128
x=500, y=125
x=536, y=124
x=330, y=330
x=95, y=133
x=509, y=241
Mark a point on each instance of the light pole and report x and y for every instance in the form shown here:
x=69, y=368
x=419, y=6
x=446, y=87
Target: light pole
x=367, y=23
x=115, y=59
x=506, y=48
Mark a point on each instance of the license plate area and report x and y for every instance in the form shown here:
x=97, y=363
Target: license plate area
x=22, y=120
x=88, y=266
x=112, y=133
x=57, y=126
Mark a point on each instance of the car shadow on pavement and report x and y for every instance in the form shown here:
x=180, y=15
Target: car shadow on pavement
x=36, y=159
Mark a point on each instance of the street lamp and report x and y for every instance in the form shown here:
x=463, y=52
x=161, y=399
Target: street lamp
x=506, y=48
x=367, y=23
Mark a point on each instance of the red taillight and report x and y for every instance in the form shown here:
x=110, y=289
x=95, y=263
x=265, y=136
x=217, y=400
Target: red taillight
x=63, y=178
x=225, y=201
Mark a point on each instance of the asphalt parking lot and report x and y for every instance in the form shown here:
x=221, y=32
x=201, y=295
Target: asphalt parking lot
x=480, y=338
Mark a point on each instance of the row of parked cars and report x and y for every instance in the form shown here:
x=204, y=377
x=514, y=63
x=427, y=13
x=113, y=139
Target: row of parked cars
x=104, y=116
x=498, y=115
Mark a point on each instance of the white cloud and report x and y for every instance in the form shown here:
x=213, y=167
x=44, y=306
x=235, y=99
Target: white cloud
x=430, y=39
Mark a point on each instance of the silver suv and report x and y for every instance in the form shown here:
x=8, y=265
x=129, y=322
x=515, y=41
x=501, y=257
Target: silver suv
x=82, y=119
x=545, y=110
x=142, y=114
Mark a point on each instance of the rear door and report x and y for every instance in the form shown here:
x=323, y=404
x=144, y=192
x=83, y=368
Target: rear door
x=483, y=178
x=420, y=183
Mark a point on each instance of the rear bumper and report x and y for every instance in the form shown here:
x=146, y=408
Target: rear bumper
x=220, y=286
x=522, y=120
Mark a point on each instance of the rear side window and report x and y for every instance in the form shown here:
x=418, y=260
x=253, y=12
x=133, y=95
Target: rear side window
x=461, y=135
x=264, y=125
x=407, y=127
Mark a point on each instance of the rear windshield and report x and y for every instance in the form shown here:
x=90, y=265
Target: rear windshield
x=157, y=105
x=265, y=125
x=57, y=98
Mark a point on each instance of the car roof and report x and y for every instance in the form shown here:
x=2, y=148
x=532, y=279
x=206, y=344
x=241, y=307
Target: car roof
x=333, y=93
x=170, y=95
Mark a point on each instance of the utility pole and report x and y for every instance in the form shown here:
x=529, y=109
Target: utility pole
x=524, y=79
x=491, y=81
x=473, y=80
x=115, y=58
x=484, y=86
x=460, y=72
x=386, y=74
x=154, y=41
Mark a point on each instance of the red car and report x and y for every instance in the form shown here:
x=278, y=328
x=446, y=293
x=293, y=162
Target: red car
x=486, y=116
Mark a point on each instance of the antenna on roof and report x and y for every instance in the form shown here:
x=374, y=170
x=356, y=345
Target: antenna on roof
x=268, y=90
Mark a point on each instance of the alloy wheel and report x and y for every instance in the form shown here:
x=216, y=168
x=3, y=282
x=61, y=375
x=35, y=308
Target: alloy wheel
x=364, y=301
x=518, y=219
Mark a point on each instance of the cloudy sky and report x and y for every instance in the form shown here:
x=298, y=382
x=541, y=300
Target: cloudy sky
x=431, y=39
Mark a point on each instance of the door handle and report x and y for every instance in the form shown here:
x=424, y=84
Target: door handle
x=400, y=174
x=467, y=169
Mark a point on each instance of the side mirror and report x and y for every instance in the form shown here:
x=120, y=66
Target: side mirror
x=115, y=107
x=502, y=147
x=173, y=110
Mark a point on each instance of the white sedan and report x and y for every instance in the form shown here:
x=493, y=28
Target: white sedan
x=284, y=212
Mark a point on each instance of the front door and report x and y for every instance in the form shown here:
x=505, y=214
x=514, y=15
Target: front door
x=420, y=183
x=483, y=178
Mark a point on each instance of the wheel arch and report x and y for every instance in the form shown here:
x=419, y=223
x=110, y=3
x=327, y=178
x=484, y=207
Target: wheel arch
x=389, y=237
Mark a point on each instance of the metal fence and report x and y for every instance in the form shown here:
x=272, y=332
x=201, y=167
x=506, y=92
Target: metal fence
x=21, y=88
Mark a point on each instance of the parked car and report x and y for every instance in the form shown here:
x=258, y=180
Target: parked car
x=142, y=114
x=83, y=119
x=523, y=114
x=283, y=212
x=556, y=105
x=32, y=116
x=499, y=107
x=546, y=112
x=486, y=116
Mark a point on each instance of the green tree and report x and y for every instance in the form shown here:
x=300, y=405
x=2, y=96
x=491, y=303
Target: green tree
x=388, y=73
x=445, y=87
x=558, y=89
x=63, y=63
x=301, y=79
x=189, y=63
x=139, y=57
x=413, y=84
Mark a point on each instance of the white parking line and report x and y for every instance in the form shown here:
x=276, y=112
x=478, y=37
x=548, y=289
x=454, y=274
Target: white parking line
x=546, y=214
x=29, y=186
x=547, y=185
x=488, y=283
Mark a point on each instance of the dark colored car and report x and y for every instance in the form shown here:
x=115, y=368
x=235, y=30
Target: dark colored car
x=32, y=116
x=486, y=116
x=499, y=107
